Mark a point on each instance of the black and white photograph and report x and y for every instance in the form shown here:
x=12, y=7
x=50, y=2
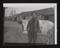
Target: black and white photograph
x=30, y=23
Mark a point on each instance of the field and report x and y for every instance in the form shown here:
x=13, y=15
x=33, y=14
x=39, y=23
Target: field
x=13, y=33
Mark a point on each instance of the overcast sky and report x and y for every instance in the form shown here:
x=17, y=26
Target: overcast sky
x=23, y=7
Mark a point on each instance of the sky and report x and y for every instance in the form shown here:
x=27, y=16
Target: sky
x=24, y=7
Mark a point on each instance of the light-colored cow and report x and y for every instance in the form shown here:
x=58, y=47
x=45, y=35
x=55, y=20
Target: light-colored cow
x=25, y=22
x=45, y=26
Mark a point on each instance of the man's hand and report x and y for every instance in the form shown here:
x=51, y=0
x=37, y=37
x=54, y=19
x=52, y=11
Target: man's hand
x=28, y=29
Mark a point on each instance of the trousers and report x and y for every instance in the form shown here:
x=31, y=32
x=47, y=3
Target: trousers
x=32, y=37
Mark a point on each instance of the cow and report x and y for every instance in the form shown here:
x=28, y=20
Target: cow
x=45, y=26
x=25, y=22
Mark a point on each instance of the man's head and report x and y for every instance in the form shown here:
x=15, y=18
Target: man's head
x=34, y=15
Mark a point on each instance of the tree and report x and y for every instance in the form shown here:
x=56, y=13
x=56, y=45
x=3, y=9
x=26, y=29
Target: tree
x=13, y=12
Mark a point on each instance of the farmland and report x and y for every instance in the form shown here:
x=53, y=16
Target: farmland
x=13, y=31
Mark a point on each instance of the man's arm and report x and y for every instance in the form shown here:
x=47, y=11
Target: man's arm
x=38, y=27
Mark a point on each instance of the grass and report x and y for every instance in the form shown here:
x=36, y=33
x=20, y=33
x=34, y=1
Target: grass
x=13, y=33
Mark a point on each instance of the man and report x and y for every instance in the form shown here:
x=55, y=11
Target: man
x=33, y=28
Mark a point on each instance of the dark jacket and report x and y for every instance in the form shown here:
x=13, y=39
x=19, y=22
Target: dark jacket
x=33, y=25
